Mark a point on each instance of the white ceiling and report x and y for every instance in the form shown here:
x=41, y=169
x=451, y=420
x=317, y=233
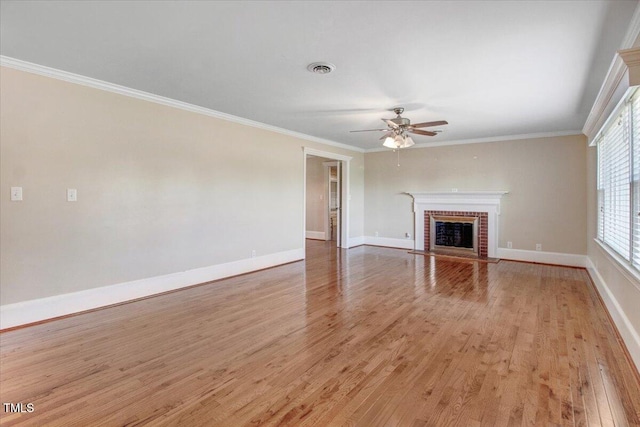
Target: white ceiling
x=491, y=68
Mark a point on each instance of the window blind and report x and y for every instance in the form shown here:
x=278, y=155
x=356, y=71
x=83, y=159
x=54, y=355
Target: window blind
x=635, y=179
x=614, y=178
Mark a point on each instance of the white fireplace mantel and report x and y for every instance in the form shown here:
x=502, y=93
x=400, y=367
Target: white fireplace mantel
x=463, y=201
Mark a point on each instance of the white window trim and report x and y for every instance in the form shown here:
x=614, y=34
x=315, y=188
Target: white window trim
x=624, y=266
x=621, y=264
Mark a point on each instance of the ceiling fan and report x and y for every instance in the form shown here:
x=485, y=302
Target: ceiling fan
x=399, y=128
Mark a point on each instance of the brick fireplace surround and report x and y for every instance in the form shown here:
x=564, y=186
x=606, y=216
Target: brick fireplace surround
x=484, y=205
x=482, y=227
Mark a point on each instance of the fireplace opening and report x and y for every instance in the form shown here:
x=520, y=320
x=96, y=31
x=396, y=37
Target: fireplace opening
x=454, y=234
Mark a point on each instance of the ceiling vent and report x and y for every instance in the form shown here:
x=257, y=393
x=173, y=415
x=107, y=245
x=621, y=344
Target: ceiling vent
x=321, y=67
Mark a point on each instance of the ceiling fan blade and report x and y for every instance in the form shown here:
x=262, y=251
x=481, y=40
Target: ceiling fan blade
x=422, y=132
x=368, y=130
x=427, y=124
x=390, y=123
x=387, y=135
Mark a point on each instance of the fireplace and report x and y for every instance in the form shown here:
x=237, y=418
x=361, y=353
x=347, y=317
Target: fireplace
x=481, y=207
x=457, y=234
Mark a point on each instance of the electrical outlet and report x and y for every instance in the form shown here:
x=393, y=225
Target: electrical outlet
x=16, y=194
x=509, y=245
x=72, y=195
x=253, y=253
x=376, y=234
x=538, y=246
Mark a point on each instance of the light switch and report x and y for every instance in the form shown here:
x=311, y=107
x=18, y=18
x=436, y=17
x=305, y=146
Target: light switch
x=16, y=194
x=72, y=195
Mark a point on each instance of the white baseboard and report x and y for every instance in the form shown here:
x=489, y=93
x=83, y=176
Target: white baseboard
x=573, y=260
x=389, y=242
x=31, y=311
x=317, y=235
x=355, y=241
x=629, y=335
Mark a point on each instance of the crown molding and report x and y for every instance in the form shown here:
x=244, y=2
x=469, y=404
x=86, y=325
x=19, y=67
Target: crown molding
x=629, y=81
x=483, y=140
x=610, y=93
x=613, y=87
x=631, y=58
x=42, y=70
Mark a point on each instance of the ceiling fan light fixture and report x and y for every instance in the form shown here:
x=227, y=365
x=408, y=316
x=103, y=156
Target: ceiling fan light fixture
x=408, y=142
x=400, y=140
x=390, y=142
x=403, y=141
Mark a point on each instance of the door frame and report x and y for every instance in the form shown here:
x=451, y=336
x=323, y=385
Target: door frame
x=344, y=192
x=327, y=190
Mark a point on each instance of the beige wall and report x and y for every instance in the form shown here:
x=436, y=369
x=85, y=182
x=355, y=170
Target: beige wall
x=160, y=190
x=316, y=197
x=545, y=179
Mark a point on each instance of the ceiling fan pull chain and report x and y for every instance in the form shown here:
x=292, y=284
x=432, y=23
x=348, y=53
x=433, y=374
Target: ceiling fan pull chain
x=398, y=151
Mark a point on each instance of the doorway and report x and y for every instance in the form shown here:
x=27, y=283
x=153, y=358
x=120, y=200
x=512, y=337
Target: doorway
x=326, y=204
x=333, y=201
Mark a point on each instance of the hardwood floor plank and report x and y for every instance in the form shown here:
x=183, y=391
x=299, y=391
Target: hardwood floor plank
x=364, y=337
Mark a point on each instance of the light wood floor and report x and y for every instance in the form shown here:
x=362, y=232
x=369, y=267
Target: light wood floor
x=368, y=337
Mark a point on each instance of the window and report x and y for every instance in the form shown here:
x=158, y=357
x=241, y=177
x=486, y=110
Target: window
x=619, y=181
